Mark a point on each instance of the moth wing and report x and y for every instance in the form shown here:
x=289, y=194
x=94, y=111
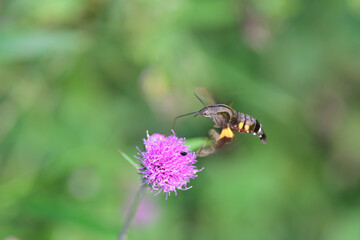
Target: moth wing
x=218, y=142
x=204, y=93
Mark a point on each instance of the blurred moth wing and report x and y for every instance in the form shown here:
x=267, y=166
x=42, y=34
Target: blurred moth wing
x=206, y=94
x=218, y=142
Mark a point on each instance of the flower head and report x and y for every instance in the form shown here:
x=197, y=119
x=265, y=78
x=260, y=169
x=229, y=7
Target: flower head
x=166, y=164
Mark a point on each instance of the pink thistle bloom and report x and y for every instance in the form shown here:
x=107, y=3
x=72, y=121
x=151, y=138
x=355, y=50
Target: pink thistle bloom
x=166, y=164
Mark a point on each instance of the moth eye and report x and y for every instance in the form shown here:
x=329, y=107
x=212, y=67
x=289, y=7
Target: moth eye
x=183, y=153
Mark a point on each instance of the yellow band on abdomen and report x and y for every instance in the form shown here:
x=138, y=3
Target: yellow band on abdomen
x=246, y=128
x=241, y=124
x=226, y=132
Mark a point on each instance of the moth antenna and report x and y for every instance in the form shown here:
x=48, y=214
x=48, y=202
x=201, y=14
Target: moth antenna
x=199, y=99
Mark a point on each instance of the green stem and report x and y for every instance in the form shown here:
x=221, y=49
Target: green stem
x=196, y=143
x=132, y=212
x=128, y=159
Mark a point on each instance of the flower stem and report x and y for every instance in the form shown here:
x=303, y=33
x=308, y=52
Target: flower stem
x=128, y=158
x=132, y=212
x=196, y=143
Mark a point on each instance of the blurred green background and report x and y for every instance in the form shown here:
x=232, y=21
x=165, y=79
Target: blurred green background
x=81, y=79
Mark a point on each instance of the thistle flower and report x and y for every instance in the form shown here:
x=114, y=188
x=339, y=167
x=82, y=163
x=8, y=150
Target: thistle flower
x=166, y=164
